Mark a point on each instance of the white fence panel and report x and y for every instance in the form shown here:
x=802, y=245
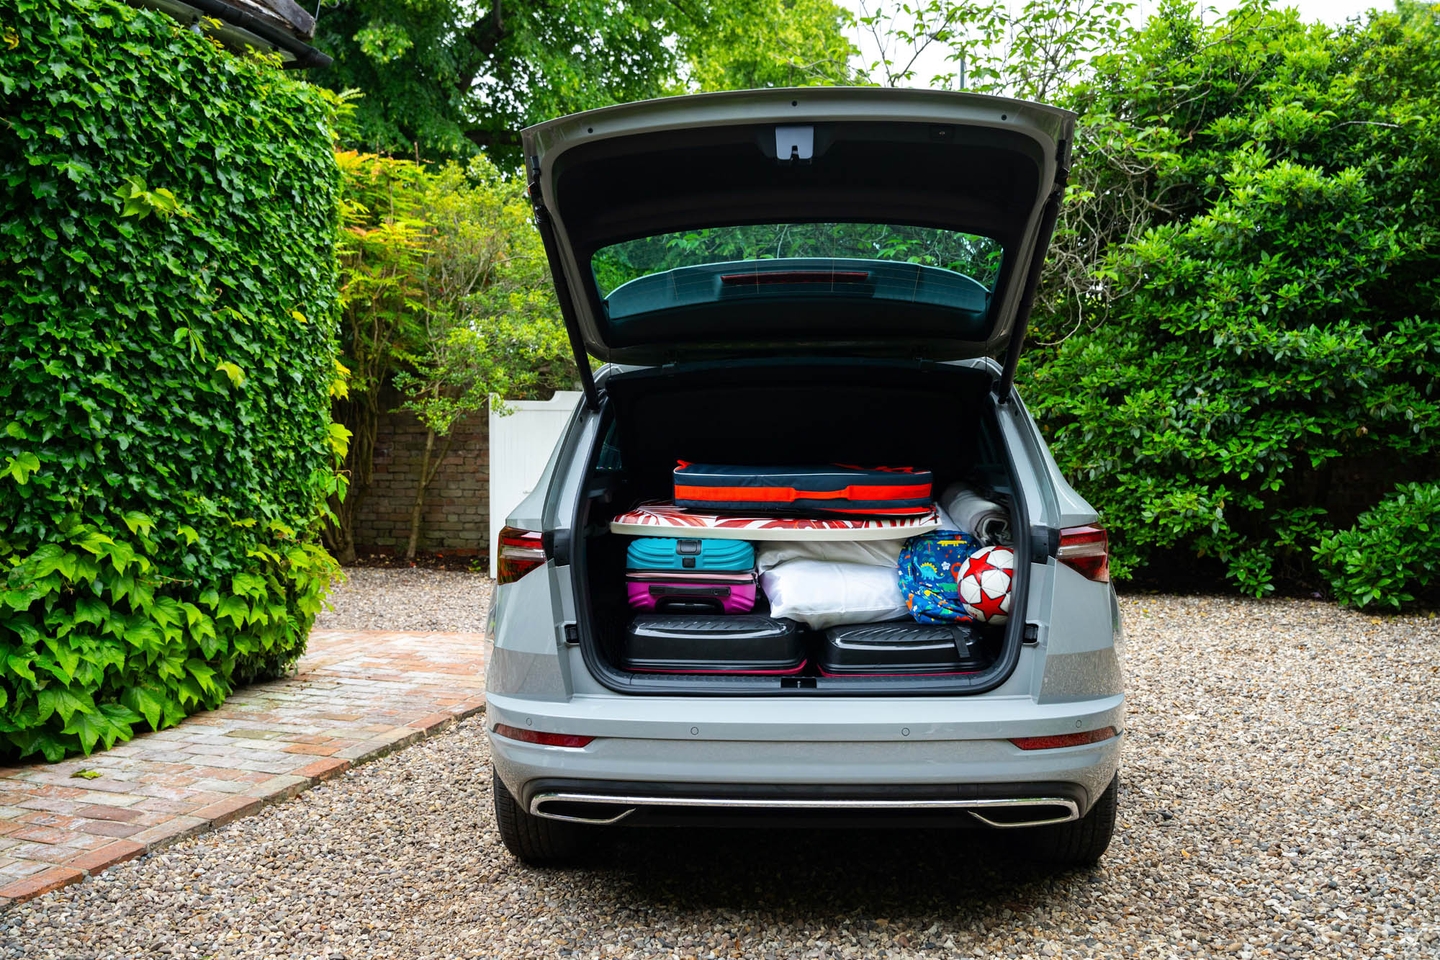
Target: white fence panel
x=520, y=445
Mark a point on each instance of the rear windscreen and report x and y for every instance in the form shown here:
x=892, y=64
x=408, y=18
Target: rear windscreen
x=746, y=249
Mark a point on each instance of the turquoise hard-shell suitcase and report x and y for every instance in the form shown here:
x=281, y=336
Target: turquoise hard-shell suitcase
x=671, y=553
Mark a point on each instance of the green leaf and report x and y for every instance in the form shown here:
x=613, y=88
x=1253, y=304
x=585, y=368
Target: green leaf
x=51, y=558
x=190, y=692
x=58, y=700
x=95, y=542
x=66, y=658
x=249, y=585
x=19, y=665
x=235, y=608
x=137, y=522
x=233, y=373
x=204, y=633
x=171, y=666
x=143, y=635
x=204, y=675
x=91, y=610
x=147, y=702
x=20, y=468
x=121, y=556
x=97, y=726
x=120, y=714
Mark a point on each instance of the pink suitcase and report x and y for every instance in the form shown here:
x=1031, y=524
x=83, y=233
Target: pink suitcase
x=702, y=591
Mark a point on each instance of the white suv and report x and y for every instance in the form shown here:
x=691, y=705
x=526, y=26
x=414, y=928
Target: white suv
x=820, y=275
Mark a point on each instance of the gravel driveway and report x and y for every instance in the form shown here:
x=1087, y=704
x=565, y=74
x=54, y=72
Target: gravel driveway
x=1280, y=800
x=407, y=598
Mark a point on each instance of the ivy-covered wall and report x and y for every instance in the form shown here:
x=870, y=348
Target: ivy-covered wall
x=167, y=308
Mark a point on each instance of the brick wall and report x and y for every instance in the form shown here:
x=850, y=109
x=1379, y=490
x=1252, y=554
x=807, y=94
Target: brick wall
x=457, y=505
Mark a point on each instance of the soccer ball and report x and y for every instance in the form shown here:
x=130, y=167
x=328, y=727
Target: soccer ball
x=984, y=580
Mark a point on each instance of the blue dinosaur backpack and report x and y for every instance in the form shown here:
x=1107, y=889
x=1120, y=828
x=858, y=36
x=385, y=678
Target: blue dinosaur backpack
x=927, y=575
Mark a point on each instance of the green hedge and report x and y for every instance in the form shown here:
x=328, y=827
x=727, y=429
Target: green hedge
x=1391, y=553
x=1280, y=317
x=167, y=305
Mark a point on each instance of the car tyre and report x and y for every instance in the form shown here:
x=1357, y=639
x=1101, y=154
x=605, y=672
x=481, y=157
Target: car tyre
x=1079, y=843
x=538, y=841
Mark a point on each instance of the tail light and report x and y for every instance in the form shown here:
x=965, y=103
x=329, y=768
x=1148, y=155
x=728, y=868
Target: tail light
x=544, y=739
x=1086, y=550
x=1065, y=739
x=520, y=552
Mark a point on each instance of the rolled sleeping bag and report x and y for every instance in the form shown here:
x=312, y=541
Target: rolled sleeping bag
x=988, y=520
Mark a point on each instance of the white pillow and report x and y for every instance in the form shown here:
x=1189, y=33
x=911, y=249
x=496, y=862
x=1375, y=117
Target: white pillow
x=822, y=594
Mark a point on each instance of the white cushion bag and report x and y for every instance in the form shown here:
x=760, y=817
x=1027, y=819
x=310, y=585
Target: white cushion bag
x=821, y=594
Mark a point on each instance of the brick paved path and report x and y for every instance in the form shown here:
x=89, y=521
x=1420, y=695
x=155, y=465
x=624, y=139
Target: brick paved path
x=356, y=695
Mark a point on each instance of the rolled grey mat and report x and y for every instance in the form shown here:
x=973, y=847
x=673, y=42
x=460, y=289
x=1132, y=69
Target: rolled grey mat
x=986, y=519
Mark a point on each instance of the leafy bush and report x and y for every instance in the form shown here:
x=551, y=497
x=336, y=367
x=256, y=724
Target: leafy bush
x=1392, y=550
x=1267, y=304
x=489, y=324
x=445, y=296
x=167, y=310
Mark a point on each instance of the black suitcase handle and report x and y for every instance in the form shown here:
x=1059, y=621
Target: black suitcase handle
x=669, y=597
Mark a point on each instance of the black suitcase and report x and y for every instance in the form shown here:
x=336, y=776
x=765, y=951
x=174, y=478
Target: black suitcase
x=905, y=648
x=708, y=643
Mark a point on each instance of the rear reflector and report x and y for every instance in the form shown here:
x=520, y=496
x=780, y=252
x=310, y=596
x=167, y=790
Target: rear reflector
x=1065, y=739
x=535, y=736
x=520, y=552
x=1086, y=550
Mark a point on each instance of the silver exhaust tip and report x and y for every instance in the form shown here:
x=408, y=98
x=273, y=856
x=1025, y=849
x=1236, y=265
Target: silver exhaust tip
x=597, y=811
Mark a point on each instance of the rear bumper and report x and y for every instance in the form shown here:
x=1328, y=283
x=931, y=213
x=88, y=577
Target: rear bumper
x=890, y=751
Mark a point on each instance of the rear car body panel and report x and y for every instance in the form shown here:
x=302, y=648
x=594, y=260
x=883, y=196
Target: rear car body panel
x=989, y=167
x=1066, y=679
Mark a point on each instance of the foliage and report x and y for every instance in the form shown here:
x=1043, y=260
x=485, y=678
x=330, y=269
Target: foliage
x=1030, y=51
x=492, y=325
x=1263, y=306
x=487, y=323
x=750, y=44
x=166, y=324
x=1392, y=550
x=381, y=253
x=443, y=77
x=445, y=295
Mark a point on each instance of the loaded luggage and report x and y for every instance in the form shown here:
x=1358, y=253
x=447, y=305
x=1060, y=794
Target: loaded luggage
x=897, y=647
x=929, y=567
x=844, y=553
x=697, y=576
x=745, y=644
x=817, y=490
